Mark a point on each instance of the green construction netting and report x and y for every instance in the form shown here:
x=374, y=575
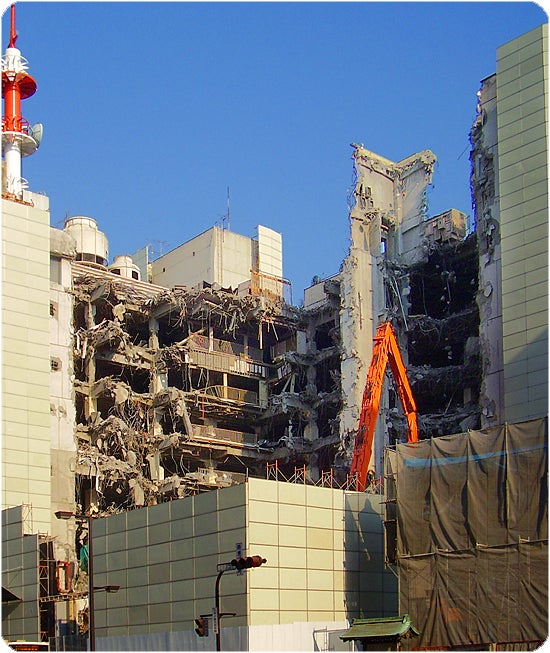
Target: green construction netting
x=471, y=542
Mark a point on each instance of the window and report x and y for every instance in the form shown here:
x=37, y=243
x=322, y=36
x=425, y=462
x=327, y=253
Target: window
x=55, y=269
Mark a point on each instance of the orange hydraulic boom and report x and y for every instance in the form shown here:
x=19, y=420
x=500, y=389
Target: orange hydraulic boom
x=385, y=349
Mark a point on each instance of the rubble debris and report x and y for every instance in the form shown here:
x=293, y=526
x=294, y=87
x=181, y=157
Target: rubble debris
x=170, y=383
x=442, y=337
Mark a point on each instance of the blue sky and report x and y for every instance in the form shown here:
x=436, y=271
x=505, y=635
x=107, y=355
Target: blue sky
x=152, y=110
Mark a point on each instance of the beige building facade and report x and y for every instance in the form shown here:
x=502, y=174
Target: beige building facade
x=226, y=259
x=26, y=457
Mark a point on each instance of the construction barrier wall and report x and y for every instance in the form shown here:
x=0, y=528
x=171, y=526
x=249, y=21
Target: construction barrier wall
x=471, y=536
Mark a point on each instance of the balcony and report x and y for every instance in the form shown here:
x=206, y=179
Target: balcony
x=213, y=434
x=234, y=394
x=225, y=362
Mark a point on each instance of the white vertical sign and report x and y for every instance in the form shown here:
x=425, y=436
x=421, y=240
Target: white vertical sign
x=215, y=620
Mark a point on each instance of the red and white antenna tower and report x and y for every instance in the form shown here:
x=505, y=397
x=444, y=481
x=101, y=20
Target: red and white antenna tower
x=19, y=139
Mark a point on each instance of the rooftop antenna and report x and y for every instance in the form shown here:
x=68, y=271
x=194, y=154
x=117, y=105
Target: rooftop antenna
x=225, y=219
x=19, y=139
x=13, y=31
x=228, y=211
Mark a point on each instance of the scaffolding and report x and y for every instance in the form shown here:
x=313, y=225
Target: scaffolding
x=47, y=585
x=327, y=479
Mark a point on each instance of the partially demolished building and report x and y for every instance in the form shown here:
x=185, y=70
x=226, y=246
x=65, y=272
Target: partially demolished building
x=160, y=393
x=186, y=388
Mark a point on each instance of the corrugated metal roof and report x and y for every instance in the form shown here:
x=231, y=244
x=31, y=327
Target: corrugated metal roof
x=380, y=628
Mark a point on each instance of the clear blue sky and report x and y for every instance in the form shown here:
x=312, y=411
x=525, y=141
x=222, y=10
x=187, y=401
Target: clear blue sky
x=152, y=110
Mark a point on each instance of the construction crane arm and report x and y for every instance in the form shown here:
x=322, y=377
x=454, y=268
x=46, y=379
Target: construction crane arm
x=385, y=350
x=403, y=386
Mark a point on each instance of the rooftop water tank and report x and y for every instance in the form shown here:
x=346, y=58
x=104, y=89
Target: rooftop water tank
x=91, y=244
x=125, y=267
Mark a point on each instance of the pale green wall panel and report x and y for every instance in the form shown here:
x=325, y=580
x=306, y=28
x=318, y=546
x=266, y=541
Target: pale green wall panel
x=537, y=319
x=26, y=332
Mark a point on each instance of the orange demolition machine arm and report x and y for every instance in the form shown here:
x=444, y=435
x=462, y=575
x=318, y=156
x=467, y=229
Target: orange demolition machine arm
x=385, y=349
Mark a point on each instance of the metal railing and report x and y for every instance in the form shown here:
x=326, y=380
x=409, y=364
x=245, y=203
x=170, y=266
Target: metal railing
x=327, y=479
x=226, y=363
x=234, y=478
x=234, y=394
x=213, y=433
x=204, y=343
x=266, y=285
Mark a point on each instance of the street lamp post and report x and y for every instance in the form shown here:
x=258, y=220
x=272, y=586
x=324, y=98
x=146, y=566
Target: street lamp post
x=218, y=613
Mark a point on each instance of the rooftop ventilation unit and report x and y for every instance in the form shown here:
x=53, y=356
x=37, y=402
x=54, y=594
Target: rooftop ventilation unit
x=91, y=244
x=125, y=267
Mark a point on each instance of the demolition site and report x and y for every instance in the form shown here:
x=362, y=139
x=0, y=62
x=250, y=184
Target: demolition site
x=369, y=449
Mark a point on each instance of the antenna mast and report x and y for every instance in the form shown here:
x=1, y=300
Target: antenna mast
x=19, y=139
x=13, y=31
x=228, y=211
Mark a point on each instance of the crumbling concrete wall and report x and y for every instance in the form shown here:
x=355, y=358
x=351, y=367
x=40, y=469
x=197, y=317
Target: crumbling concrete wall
x=185, y=389
x=182, y=390
x=484, y=184
x=386, y=224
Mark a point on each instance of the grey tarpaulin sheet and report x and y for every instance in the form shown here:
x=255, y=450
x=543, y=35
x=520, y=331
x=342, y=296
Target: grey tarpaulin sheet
x=472, y=535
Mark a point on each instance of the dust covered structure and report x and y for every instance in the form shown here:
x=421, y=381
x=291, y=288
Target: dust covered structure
x=191, y=387
x=472, y=536
x=420, y=273
x=442, y=332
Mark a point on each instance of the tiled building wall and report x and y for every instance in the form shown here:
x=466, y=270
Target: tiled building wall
x=26, y=357
x=324, y=551
x=523, y=176
x=270, y=251
x=164, y=559
x=325, y=555
x=62, y=404
x=20, y=619
x=371, y=588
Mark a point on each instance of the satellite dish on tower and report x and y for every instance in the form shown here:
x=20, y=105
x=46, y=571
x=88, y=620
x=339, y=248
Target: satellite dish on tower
x=37, y=132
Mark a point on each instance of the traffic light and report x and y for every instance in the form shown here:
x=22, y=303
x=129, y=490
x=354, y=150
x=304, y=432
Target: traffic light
x=202, y=627
x=246, y=563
